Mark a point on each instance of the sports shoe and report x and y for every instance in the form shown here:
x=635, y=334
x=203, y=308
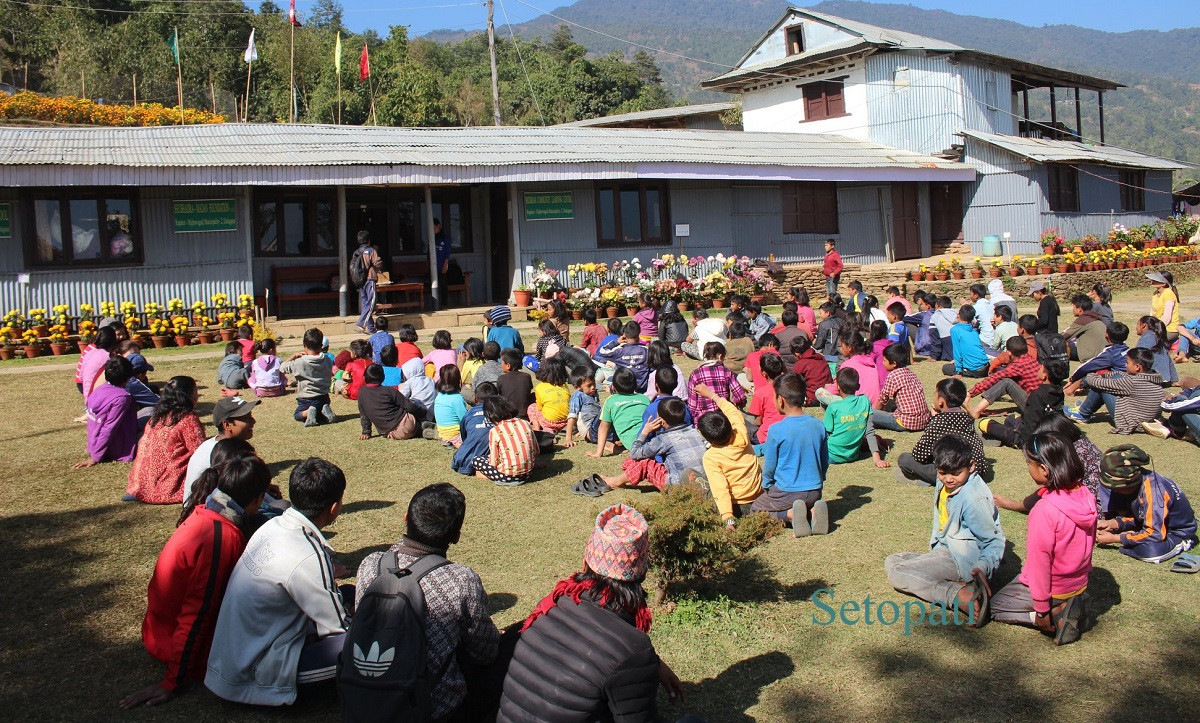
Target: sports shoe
x=327, y=413
x=1068, y=620
x=1157, y=428
x=1073, y=414
x=313, y=418
x=800, y=526
x=820, y=518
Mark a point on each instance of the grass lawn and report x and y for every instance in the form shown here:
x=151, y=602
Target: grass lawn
x=746, y=646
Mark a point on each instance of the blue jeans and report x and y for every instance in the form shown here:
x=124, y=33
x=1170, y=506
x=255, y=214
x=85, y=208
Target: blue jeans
x=1185, y=422
x=1093, y=401
x=886, y=420
x=366, y=304
x=1185, y=345
x=831, y=285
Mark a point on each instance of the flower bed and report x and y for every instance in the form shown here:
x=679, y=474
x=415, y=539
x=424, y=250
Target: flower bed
x=81, y=111
x=683, y=279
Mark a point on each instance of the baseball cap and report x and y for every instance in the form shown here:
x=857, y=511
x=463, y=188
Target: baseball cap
x=1037, y=286
x=232, y=407
x=1122, y=465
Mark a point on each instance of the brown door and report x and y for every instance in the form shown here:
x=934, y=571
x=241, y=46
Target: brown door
x=946, y=211
x=906, y=226
x=501, y=228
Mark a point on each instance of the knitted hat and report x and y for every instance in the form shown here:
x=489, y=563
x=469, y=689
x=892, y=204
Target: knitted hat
x=617, y=548
x=1122, y=465
x=499, y=314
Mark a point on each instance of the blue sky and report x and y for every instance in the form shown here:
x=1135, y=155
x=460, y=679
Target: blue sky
x=1114, y=15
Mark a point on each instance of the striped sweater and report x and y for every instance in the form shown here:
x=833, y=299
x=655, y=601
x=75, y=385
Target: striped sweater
x=512, y=447
x=1139, y=397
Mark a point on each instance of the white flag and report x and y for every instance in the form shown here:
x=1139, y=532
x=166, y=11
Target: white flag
x=251, y=50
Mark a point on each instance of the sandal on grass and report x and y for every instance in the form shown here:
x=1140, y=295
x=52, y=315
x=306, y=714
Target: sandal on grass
x=981, y=596
x=1187, y=564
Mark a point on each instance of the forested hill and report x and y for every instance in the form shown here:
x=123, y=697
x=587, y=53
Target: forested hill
x=1158, y=113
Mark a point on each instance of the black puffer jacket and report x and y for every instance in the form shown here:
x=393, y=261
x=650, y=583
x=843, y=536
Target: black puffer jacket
x=581, y=663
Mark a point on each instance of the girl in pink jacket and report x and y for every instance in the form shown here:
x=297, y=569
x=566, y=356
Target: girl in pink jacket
x=857, y=353
x=1049, y=594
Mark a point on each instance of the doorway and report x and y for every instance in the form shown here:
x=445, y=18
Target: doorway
x=501, y=230
x=906, y=222
x=946, y=211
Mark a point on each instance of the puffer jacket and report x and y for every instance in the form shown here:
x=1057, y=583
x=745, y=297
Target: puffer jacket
x=580, y=662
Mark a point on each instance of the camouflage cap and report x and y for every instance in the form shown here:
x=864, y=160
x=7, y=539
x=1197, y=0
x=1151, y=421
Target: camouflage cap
x=1122, y=465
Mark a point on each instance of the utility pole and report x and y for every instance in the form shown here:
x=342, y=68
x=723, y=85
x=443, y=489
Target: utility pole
x=491, y=28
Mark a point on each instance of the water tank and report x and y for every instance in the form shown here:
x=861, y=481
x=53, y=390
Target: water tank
x=991, y=246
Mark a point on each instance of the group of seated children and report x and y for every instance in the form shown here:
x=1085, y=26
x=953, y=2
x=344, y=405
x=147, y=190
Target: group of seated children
x=248, y=364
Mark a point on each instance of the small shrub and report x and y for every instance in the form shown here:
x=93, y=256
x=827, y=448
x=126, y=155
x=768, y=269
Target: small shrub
x=688, y=541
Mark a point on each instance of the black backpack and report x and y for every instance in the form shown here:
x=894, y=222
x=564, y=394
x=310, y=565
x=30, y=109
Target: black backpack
x=381, y=672
x=1051, y=347
x=358, y=266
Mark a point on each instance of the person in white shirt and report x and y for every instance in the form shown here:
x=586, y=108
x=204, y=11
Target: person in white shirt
x=703, y=331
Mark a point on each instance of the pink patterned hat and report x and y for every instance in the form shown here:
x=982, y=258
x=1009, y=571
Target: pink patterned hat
x=618, y=545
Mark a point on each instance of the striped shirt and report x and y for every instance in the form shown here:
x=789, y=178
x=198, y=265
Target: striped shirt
x=912, y=410
x=1139, y=397
x=512, y=447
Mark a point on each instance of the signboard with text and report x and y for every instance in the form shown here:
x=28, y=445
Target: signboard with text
x=206, y=215
x=554, y=206
x=5, y=220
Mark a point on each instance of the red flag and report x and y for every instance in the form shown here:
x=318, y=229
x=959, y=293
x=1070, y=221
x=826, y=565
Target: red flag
x=292, y=14
x=364, y=64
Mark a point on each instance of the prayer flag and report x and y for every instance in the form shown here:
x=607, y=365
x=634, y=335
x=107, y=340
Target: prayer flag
x=251, y=49
x=364, y=64
x=337, y=54
x=292, y=14
x=173, y=44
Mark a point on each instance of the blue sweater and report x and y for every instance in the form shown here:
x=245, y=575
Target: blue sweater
x=1110, y=357
x=507, y=337
x=795, y=455
x=474, y=429
x=968, y=349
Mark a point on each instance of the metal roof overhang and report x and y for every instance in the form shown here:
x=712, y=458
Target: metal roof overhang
x=736, y=80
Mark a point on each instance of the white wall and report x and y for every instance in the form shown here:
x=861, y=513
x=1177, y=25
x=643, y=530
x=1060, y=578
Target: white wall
x=780, y=108
x=817, y=35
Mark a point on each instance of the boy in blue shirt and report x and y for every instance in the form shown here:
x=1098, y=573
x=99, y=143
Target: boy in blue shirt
x=583, y=412
x=795, y=458
x=627, y=353
x=381, y=339
x=897, y=329
x=474, y=430
x=500, y=332
x=970, y=358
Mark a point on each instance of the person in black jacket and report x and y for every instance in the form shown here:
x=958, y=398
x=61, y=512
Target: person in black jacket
x=393, y=414
x=598, y=620
x=1048, y=311
x=1047, y=399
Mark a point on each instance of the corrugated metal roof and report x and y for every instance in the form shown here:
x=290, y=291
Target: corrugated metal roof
x=682, y=111
x=1048, y=151
x=234, y=145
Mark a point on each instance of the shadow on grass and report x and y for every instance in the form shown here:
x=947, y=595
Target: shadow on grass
x=498, y=602
x=753, y=581
x=365, y=505
x=549, y=468
x=281, y=466
x=738, y=687
x=849, y=499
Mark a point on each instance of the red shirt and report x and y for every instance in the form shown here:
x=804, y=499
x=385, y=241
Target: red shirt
x=755, y=368
x=833, y=264
x=185, y=593
x=357, y=370
x=406, y=350
x=247, y=349
x=593, y=334
x=763, y=405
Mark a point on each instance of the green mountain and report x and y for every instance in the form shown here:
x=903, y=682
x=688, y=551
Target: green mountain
x=1158, y=112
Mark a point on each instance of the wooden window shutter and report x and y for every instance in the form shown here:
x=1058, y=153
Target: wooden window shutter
x=791, y=211
x=825, y=209
x=835, y=101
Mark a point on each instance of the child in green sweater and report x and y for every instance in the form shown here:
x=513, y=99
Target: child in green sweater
x=848, y=423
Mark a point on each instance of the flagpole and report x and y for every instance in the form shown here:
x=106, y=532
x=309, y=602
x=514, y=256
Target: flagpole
x=292, y=74
x=179, y=77
x=249, y=68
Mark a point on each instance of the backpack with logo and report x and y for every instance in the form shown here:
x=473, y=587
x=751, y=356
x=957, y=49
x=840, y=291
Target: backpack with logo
x=381, y=670
x=358, y=266
x=1051, y=347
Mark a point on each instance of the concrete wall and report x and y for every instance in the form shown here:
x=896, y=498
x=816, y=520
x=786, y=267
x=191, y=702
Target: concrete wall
x=779, y=106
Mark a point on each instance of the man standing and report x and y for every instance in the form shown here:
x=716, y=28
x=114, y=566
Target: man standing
x=368, y=255
x=441, y=244
x=832, y=268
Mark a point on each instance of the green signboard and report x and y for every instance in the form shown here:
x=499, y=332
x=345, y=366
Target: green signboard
x=5, y=220
x=206, y=215
x=549, y=206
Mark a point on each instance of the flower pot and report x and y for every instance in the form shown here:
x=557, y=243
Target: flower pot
x=205, y=337
x=1064, y=268
x=33, y=351
x=1014, y=271
x=976, y=273
x=522, y=298
x=42, y=330
x=228, y=334
x=1031, y=271
x=611, y=312
x=1044, y=270
x=684, y=305
x=183, y=339
x=160, y=342
x=630, y=310
x=718, y=303
x=941, y=276
x=6, y=352
x=958, y=275
x=1077, y=249
x=930, y=276
x=758, y=298
x=994, y=272
x=576, y=314
x=58, y=348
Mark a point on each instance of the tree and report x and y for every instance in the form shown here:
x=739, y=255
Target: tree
x=326, y=14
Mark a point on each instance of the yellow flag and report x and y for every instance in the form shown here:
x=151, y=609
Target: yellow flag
x=337, y=54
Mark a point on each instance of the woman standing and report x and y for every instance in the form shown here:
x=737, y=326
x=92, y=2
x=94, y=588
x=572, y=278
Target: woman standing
x=1165, y=302
x=173, y=433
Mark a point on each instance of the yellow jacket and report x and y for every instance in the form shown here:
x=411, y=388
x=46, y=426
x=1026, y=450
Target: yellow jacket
x=734, y=473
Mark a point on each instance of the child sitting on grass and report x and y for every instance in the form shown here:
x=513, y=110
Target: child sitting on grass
x=966, y=542
x=393, y=374
x=621, y=413
x=112, y=434
x=512, y=446
x=848, y=424
x=232, y=372
x=1154, y=521
x=666, y=447
x=381, y=339
x=658, y=356
x=812, y=368
x=897, y=329
x=550, y=342
x=551, y=397
x=763, y=411
x=407, y=348
x=394, y=415
x=449, y=407
x=1132, y=398
x=857, y=354
x=441, y=356
x=901, y=406
x=666, y=379
x=583, y=411
x=613, y=326
x=1015, y=380
x=949, y=421
x=265, y=378
x=469, y=359
x=626, y=353
x=473, y=429
x=353, y=375
x=245, y=340
x=1027, y=330
x=1049, y=594
x=593, y=333
x=719, y=380
x=751, y=376
x=1003, y=329
x=970, y=358
x=418, y=387
x=1045, y=401
x=313, y=372
x=500, y=332
x=733, y=472
x=795, y=459
x=514, y=384
x=490, y=370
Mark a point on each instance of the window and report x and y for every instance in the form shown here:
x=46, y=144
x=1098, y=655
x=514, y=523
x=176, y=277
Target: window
x=1064, y=188
x=294, y=223
x=453, y=208
x=86, y=228
x=795, y=39
x=810, y=208
x=631, y=213
x=1133, y=190
x=823, y=100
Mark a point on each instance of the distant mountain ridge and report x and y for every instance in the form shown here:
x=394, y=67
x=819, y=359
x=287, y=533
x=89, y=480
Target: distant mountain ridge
x=1158, y=113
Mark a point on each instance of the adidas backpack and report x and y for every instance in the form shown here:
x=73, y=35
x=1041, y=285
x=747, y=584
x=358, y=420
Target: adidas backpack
x=358, y=266
x=381, y=671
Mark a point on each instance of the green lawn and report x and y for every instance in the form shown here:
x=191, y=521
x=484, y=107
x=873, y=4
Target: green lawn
x=747, y=646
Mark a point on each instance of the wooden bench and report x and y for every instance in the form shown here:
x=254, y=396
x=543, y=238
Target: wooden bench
x=414, y=271
x=324, y=282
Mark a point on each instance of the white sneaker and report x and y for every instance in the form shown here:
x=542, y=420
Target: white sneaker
x=1157, y=428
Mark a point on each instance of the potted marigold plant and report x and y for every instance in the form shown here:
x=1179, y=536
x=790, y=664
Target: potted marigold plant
x=58, y=339
x=957, y=272
x=37, y=321
x=33, y=344
x=159, y=332
x=87, y=332
x=977, y=268
x=204, y=334
x=10, y=336
x=179, y=325
x=228, y=322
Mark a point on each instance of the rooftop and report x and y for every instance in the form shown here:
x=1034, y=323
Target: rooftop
x=1042, y=150
x=650, y=116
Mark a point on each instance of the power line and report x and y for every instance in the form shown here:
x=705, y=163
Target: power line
x=521, y=58
x=210, y=13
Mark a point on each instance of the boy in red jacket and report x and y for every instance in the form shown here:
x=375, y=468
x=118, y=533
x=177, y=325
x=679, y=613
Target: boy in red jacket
x=189, y=578
x=812, y=367
x=832, y=268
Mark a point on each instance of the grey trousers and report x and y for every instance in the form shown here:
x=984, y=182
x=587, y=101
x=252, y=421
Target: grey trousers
x=931, y=576
x=1013, y=604
x=927, y=473
x=1007, y=387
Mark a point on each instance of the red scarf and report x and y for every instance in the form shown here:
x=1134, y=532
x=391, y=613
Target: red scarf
x=575, y=590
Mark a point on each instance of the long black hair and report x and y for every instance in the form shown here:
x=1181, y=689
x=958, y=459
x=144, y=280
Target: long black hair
x=1057, y=455
x=175, y=401
x=1159, y=329
x=620, y=596
x=223, y=451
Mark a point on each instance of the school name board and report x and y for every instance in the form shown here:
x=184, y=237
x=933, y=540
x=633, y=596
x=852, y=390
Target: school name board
x=206, y=215
x=549, y=206
x=5, y=220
